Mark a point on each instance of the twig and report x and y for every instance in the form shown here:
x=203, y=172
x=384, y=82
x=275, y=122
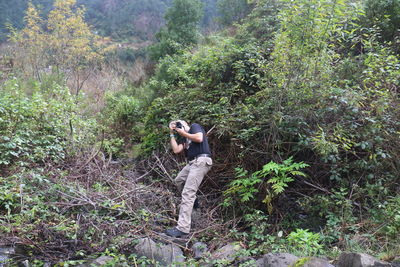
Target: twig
x=163, y=168
x=209, y=131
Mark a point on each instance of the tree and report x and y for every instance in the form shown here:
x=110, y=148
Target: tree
x=232, y=10
x=181, y=30
x=385, y=14
x=63, y=42
x=13, y=14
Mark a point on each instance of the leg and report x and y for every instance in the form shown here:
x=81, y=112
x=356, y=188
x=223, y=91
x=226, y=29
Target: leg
x=180, y=179
x=198, y=170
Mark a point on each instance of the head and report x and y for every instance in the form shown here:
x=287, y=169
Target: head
x=182, y=124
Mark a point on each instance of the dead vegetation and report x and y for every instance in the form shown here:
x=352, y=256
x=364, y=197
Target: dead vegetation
x=95, y=203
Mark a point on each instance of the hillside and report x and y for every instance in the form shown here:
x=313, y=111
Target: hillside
x=300, y=103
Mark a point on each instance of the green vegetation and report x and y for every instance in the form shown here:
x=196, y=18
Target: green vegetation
x=120, y=20
x=181, y=30
x=301, y=97
x=232, y=10
x=278, y=176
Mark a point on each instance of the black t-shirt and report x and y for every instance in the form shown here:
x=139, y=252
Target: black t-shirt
x=197, y=148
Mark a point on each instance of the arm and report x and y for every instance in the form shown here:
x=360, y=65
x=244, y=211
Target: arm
x=196, y=137
x=176, y=148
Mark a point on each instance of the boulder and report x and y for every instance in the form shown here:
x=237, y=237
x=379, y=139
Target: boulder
x=164, y=253
x=5, y=254
x=199, y=248
x=227, y=252
x=100, y=261
x=277, y=260
x=360, y=260
x=314, y=262
x=396, y=262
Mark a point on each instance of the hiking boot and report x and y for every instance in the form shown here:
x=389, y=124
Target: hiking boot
x=175, y=233
x=196, y=204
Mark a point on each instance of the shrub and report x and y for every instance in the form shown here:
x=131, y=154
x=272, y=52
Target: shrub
x=304, y=242
x=279, y=176
x=38, y=126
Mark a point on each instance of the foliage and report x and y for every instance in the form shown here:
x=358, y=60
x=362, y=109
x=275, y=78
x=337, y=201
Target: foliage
x=37, y=126
x=181, y=29
x=232, y=10
x=136, y=20
x=305, y=243
x=122, y=111
x=12, y=15
x=257, y=237
x=389, y=215
x=384, y=14
x=318, y=85
x=299, y=79
x=261, y=23
x=279, y=176
x=63, y=42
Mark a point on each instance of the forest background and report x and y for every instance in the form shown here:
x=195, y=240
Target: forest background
x=300, y=98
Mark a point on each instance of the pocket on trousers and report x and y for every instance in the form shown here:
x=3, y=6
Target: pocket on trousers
x=204, y=161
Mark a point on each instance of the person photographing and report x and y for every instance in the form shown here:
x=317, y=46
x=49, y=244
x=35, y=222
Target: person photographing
x=188, y=180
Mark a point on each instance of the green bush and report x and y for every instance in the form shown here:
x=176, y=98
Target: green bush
x=385, y=14
x=276, y=176
x=305, y=243
x=38, y=126
x=317, y=86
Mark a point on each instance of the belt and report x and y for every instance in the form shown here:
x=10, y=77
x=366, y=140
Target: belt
x=200, y=155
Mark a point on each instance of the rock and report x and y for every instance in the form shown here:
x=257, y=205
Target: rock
x=199, y=248
x=103, y=260
x=277, y=260
x=165, y=254
x=100, y=261
x=360, y=260
x=260, y=262
x=314, y=262
x=5, y=254
x=165, y=239
x=247, y=261
x=227, y=252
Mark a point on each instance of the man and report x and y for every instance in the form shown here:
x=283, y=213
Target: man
x=189, y=178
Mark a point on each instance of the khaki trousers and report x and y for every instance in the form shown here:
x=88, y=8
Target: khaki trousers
x=190, y=178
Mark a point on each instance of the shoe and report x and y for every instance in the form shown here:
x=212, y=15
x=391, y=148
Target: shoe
x=175, y=233
x=196, y=204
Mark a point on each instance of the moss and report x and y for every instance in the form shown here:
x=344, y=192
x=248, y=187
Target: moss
x=301, y=262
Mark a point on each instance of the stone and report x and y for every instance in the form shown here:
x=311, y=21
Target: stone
x=277, y=260
x=360, y=260
x=164, y=253
x=165, y=239
x=315, y=262
x=199, y=248
x=260, y=262
x=100, y=261
x=227, y=252
x=5, y=254
x=103, y=260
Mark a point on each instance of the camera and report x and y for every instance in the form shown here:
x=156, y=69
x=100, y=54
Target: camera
x=178, y=124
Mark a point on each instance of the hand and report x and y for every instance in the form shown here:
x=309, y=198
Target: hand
x=172, y=126
x=180, y=131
